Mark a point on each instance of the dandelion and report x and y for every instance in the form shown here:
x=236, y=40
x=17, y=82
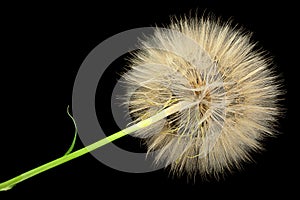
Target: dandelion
x=200, y=93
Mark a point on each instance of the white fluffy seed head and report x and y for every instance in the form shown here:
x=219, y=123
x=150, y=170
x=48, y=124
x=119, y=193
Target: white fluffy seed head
x=228, y=83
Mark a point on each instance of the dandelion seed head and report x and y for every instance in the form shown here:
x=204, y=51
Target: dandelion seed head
x=229, y=86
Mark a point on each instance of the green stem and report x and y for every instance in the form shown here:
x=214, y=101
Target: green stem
x=166, y=112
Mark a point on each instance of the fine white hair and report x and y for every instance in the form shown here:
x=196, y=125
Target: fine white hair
x=229, y=86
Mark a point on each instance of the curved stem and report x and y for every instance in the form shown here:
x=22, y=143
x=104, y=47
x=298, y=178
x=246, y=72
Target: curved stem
x=166, y=112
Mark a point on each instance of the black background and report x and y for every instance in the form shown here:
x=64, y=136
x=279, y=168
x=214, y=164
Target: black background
x=44, y=45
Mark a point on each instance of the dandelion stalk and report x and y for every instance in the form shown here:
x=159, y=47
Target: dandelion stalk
x=161, y=115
